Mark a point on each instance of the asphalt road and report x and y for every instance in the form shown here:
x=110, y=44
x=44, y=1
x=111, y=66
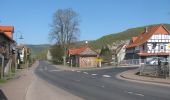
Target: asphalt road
x=100, y=84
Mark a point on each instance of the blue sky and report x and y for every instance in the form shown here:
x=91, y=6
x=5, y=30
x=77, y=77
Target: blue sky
x=98, y=17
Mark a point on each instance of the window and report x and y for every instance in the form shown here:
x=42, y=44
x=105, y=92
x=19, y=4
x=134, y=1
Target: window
x=162, y=47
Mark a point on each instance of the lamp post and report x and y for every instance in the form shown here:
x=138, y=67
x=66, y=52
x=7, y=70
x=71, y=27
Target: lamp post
x=20, y=37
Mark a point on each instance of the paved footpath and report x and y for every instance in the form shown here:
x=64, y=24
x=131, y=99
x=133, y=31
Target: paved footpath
x=16, y=89
x=29, y=87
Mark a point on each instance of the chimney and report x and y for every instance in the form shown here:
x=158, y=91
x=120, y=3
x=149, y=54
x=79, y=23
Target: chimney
x=146, y=29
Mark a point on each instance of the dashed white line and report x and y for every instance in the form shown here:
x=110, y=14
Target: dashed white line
x=54, y=70
x=94, y=74
x=130, y=92
x=139, y=94
x=78, y=71
x=72, y=70
x=133, y=93
x=101, y=86
x=106, y=75
x=85, y=73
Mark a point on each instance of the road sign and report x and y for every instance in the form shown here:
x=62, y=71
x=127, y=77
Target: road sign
x=168, y=46
x=99, y=59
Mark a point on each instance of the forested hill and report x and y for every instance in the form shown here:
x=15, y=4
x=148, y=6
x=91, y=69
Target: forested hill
x=36, y=49
x=125, y=35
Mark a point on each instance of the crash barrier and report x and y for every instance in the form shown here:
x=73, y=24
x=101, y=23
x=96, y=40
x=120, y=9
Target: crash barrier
x=161, y=70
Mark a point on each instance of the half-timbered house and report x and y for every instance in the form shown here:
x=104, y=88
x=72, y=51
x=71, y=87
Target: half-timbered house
x=152, y=42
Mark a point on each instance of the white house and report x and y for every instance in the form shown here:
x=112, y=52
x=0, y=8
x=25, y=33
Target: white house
x=151, y=43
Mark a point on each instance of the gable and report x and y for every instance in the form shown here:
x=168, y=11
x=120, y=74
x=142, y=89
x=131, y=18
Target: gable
x=161, y=30
x=88, y=51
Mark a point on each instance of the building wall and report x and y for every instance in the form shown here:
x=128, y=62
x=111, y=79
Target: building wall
x=87, y=62
x=121, y=54
x=161, y=42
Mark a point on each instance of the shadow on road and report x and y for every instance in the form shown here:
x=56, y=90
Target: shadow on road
x=2, y=95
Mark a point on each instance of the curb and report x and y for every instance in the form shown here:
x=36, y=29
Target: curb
x=123, y=77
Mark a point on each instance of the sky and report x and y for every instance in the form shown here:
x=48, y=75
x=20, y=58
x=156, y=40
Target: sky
x=32, y=18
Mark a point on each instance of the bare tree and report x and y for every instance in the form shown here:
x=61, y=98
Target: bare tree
x=65, y=29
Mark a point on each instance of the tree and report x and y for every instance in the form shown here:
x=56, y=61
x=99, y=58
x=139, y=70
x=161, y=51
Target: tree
x=57, y=53
x=65, y=29
x=106, y=54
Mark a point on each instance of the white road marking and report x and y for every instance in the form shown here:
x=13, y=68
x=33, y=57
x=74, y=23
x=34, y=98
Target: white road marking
x=54, y=70
x=85, y=73
x=72, y=70
x=106, y=75
x=94, y=74
x=78, y=71
x=133, y=93
x=130, y=92
x=101, y=86
x=139, y=94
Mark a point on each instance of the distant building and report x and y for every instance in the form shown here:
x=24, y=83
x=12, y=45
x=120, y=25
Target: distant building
x=23, y=54
x=150, y=43
x=49, y=56
x=118, y=54
x=83, y=57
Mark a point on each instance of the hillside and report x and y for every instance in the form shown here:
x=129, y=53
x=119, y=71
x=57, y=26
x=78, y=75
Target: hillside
x=36, y=49
x=125, y=35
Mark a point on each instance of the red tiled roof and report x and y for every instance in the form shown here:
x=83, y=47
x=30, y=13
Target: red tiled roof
x=134, y=39
x=7, y=31
x=154, y=54
x=75, y=51
x=7, y=28
x=142, y=38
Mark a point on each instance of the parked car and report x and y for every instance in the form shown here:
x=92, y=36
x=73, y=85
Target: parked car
x=154, y=61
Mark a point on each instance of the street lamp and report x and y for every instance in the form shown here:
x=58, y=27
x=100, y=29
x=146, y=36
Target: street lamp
x=21, y=36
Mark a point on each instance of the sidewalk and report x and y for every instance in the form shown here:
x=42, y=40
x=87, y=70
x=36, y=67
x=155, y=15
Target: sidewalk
x=62, y=67
x=30, y=87
x=130, y=75
x=16, y=89
x=42, y=90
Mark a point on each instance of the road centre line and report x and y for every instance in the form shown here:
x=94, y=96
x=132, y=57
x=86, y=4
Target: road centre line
x=54, y=70
x=85, y=73
x=133, y=93
x=78, y=71
x=106, y=76
x=94, y=74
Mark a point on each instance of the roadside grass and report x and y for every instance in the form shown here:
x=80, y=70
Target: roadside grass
x=2, y=81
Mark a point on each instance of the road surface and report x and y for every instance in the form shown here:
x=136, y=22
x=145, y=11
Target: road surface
x=100, y=84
